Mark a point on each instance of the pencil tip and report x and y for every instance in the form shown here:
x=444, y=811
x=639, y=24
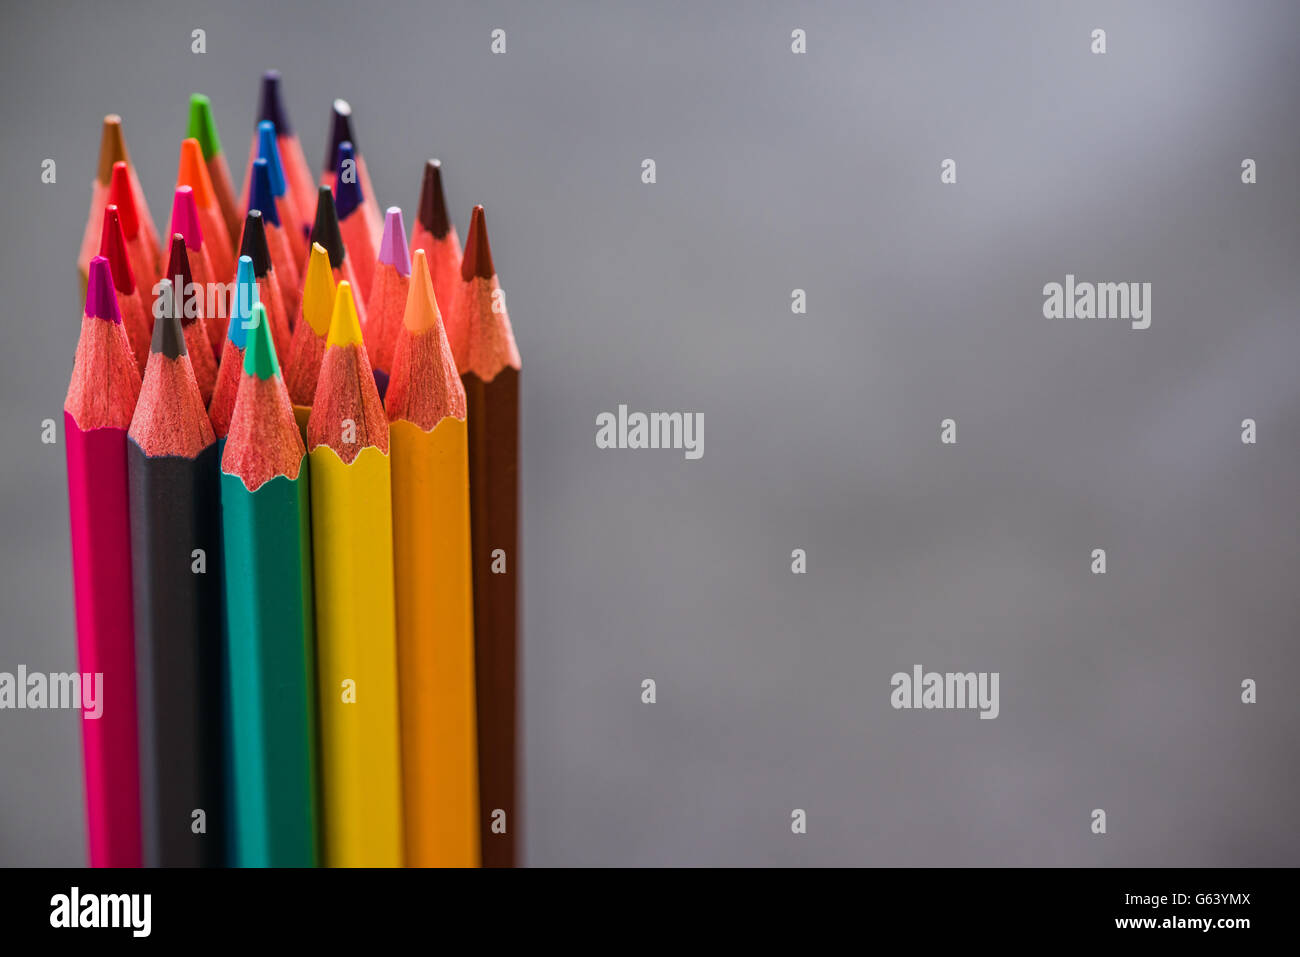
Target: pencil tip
x=193, y=172
x=112, y=246
x=478, y=253
x=421, y=304
x=253, y=244
x=259, y=354
x=318, y=291
x=272, y=106
x=340, y=130
x=167, y=336
x=325, y=230
x=260, y=196
x=392, y=248
x=268, y=148
x=246, y=296
x=122, y=196
x=185, y=217
x=203, y=126
x=347, y=184
x=433, y=203
x=178, y=272
x=101, y=297
x=345, y=330
x=112, y=147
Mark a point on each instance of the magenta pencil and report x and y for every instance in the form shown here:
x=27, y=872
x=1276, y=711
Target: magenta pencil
x=96, y=415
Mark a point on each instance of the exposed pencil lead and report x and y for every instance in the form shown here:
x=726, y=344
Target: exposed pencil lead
x=253, y=245
x=259, y=353
x=272, y=107
x=478, y=253
x=202, y=125
x=433, y=204
x=318, y=291
x=178, y=273
x=392, y=249
x=167, y=335
x=340, y=130
x=325, y=230
x=242, y=302
x=101, y=297
x=185, y=217
x=268, y=148
x=121, y=196
x=112, y=246
x=421, y=305
x=345, y=330
x=112, y=147
x=193, y=172
x=347, y=188
x=260, y=196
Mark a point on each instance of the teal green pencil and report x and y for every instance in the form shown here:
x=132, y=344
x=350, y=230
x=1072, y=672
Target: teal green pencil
x=266, y=518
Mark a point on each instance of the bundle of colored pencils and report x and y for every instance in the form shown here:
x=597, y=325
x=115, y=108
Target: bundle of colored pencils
x=292, y=444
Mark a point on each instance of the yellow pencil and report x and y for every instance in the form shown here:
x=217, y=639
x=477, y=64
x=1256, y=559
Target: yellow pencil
x=435, y=604
x=352, y=544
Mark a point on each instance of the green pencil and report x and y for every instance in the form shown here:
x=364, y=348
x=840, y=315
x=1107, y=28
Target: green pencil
x=266, y=518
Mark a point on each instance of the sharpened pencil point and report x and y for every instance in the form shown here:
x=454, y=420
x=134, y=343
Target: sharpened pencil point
x=202, y=125
x=325, y=230
x=242, y=302
x=340, y=130
x=178, y=272
x=185, y=217
x=112, y=147
x=259, y=355
x=345, y=330
x=268, y=148
x=272, y=106
x=392, y=249
x=433, y=204
x=101, y=297
x=253, y=245
x=193, y=172
x=421, y=305
x=318, y=291
x=260, y=196
x=121, y=196
x=347, y=189
x=112, y=246
x=478, y=253
x=167, y=335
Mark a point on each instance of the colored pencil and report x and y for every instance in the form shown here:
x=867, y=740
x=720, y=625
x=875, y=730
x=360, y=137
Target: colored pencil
x=266, y=521
x=135, y=319
x=188, y=297
x=254, y=245
x=325, y=230
x=112, y=149
x=296, y=168
x=191, y=171
x=489, y=367
x=145, y=264
x=307, y=347
x=435, y=233
x=283, y=257
x=176, y=570
x=352, y=547
x=388, y=297
x=96, y=415
x=434, y=595
x=203, y=127
x=291, y=217
x=230, y=374
x=185, y=223
x=341, y=131
x=357, y=234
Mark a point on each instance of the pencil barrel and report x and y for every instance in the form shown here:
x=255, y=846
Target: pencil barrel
x=352, y=547
x=176, y=560
x=101, y=573
x=435, y=643
x=269, y=646
x=493, y=415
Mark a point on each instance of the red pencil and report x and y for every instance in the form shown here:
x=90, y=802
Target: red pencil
x=190, y=308
x=96, y=415
x=435, y=233
x=112, y=149
x=129, y=301
x=146, y=264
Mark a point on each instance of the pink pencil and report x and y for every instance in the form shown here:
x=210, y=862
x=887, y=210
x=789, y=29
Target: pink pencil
x=96, y=415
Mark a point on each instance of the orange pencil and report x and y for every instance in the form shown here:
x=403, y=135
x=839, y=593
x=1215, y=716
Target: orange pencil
x=435, y=233
x=145, y=262
x=189, y=307
x=112, y=149
x=357, y=234
x=135, y=318
x=212, y=305
x=193, y=172
x=388, y=298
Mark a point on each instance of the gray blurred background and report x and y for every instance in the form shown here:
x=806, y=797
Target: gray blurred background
x=778, y=171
